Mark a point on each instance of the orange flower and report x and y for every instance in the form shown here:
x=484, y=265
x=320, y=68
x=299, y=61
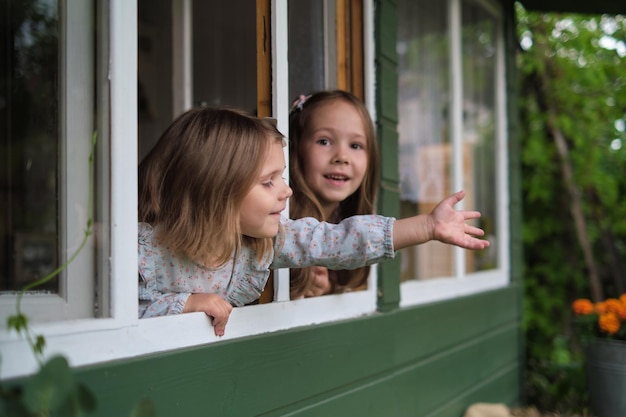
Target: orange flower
x=582, y=306
x=614, y=305
x=606, y=318
x=609, y=323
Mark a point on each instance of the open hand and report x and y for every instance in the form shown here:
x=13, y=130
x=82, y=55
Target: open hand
x=320, y=283
x=449, y=225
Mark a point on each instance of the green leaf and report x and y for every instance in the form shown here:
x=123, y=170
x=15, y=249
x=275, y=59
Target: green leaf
x=18, y=322
x=86, y=398
x=40, y=343
x=50, y=388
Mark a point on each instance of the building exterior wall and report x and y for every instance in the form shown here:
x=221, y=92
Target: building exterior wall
x=433, y=360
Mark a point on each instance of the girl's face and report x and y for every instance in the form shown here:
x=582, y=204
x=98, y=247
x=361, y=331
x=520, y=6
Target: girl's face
x=260, y=210
x=334, y=153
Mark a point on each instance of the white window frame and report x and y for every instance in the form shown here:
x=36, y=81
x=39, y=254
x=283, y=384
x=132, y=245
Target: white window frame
x=417, y=292
x=122, y=334
x=75, y=298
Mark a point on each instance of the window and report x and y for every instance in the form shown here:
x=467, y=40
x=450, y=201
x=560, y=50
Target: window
x=182, y=40
x=47, y=113
x=55, y=98
x=451, y=129
x=236, y=54
x=114, y=83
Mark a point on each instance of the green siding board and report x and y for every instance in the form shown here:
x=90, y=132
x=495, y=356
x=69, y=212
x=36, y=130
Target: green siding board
x=387, y=119
x=448, y=323
x=390, y=174
x=386, y=206
x=501, y=388
x=388, y=288
x=387, y=94
x=256, y=375
x=397, y=395
x=515, y=180
x=385, y=35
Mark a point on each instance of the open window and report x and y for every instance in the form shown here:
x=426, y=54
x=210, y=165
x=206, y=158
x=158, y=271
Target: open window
x=254, y=55
x=452, y=136
x=220, y=53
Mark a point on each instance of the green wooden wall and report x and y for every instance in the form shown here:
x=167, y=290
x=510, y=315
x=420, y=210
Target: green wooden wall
x=434, y=360
x=386, y=22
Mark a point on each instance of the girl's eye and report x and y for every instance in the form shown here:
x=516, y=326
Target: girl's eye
x=357, y=146
x=268, y=184
x=323, y=141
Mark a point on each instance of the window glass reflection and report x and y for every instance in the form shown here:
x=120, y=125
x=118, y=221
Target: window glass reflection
x=29, y=50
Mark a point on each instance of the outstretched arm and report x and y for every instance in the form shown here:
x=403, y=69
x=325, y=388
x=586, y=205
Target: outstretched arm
x=444, y=224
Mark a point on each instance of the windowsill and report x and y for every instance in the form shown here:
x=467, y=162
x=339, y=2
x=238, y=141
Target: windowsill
x=426, y=291
x=91, y=341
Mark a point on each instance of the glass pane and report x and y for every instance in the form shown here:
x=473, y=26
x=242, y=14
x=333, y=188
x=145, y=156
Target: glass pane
x=154, y=61
x=479, y=126
x=224, y=53
x=312, y=46
x=223, y=60
x=424, y=143
x=29, y=102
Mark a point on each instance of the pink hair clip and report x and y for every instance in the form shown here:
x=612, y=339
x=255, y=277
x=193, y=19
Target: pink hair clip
x=299, y=102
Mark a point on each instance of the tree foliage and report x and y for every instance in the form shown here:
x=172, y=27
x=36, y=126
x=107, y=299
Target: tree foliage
x=572, y=82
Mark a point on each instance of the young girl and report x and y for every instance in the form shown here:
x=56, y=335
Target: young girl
x=334, y=166
x=210, y=196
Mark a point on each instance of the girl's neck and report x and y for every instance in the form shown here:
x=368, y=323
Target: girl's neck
x=331, y=211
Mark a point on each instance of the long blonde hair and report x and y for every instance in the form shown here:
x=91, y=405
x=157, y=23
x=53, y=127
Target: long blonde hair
x=304, y=203
x=193, y=182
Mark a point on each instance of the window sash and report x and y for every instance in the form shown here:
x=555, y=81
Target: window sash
x=460, y=283
x=76, y=296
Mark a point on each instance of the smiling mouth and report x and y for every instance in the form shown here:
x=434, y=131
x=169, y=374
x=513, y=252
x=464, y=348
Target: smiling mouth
x=336, y=177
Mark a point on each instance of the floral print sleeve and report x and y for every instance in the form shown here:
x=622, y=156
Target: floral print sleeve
x=153, y=301
x=356, y=241
x=166, y=281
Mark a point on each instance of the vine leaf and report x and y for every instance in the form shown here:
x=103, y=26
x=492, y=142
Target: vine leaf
x=51, y=388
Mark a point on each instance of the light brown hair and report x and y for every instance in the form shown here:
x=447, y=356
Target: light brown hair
x=193, y=182
x=304, y=203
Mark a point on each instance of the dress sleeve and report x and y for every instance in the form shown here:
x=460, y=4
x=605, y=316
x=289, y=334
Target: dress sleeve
x=152, y=301
x=355, y=242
